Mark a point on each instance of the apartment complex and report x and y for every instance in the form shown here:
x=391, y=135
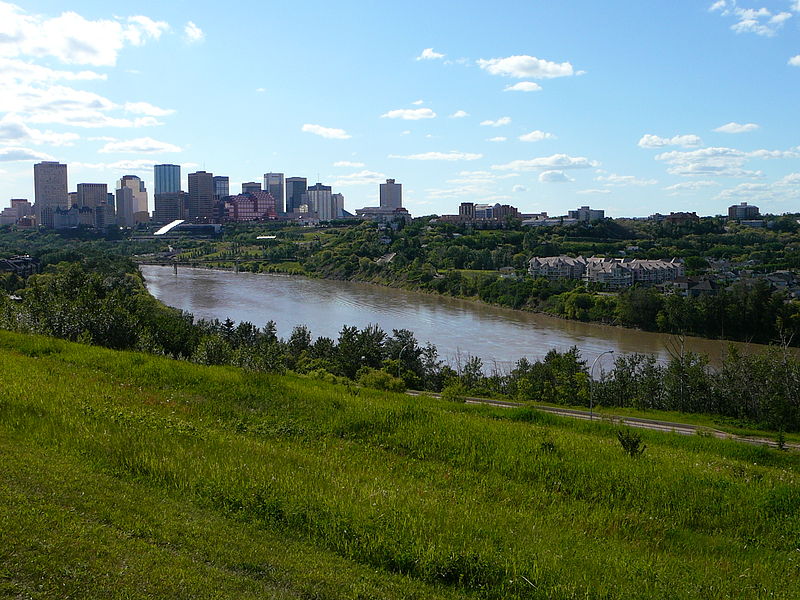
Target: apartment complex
x=611, y=273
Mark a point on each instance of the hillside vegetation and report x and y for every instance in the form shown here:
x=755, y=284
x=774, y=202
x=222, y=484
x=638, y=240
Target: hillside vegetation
x=130, y=475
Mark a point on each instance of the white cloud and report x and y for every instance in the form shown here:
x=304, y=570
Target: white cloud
x=760, y=21
x=595, y=191
x=12, y=70
x=623, y=180
x=519, y=188
x=15, y=132
x=459, y=114
x=16, y=154
x=554, y=162
x=524, y=66
x=429, y=54
x=406, y=132
x=145, y=108
x=786, y=189
x=734, y=127
x=536, y=136
x=409, y=114
x=449, y=156
x=261, y=90
x=326, y=132
x=192, y=33
x=71, y=38
x=795, y=61
x=143, y=145
x=347, y=163
x=418, y=102
x=523, y=86
x=498, y=138
x=720, y=162
x=690, y=186
x=554, y=177
x=498, y=123
x=653, y=141
x=359, y=178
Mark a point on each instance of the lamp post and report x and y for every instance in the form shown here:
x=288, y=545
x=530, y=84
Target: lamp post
x=399, y=356
x=591, y=378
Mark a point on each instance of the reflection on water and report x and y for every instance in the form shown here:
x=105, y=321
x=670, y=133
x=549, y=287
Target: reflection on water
x=457, y=327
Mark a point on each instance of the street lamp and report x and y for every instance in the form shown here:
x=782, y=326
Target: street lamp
x=591, y=378
x=399, y=356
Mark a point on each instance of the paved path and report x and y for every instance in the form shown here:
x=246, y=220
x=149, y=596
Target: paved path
x=653, y=424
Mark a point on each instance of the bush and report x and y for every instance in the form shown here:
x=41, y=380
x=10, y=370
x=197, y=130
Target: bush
x=631, y=442
x=380, y=380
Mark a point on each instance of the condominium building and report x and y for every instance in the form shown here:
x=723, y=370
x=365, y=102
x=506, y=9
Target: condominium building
x=257, y=206
x=611, y=273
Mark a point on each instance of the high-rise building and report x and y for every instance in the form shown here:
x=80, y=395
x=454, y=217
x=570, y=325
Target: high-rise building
x=319, y=197
x=136, y=185
x=50, y=188
x=338, y=205
x=296, y=193
x=251, y=187
x=273, y=183
x=391, y=194
x=170, y=207
x=742, y=211
x=200, y=203
x=125, y=204
x=167, y=179
x=92, y=195
x=221, y=187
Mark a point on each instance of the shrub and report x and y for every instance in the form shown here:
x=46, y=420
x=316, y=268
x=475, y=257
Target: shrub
x=631, y=442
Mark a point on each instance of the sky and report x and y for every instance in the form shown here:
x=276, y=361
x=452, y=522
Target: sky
x=632, y=107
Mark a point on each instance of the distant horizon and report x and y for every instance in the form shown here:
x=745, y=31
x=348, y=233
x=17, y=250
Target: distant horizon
x=665, y=108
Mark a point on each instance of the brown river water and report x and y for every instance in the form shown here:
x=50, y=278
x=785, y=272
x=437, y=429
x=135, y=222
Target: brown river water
x=499, y=336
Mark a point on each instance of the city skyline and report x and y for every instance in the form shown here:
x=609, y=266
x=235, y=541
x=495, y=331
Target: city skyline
x=686, y=107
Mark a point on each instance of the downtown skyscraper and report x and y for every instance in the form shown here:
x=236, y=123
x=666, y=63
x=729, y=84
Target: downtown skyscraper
x=50, y=189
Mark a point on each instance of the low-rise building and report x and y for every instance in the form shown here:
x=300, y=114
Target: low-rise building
x=611, y=273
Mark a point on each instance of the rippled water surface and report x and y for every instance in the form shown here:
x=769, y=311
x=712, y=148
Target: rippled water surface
x=457, y=327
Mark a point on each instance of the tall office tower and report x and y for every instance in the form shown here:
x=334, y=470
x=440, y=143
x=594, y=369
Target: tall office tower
x=221, y=187
x=251, y=187
x=391, y=194
x=273, y=183
x=170, y=207
x=200, y=203
x=338, y=205
x=167, y=179
x=319, y=197
x=295, y=193
x=136, y=185
x=50, y=188
x=125, y=204
x=92, y=195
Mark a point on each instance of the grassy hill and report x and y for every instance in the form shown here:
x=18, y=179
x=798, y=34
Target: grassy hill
x=124, y=475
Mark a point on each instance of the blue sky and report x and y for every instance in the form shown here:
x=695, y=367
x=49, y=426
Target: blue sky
x=634, y=107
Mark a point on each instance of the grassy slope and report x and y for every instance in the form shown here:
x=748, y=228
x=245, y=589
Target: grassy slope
x=125, y=475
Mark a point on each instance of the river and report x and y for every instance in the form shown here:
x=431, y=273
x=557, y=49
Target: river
x=458, y=328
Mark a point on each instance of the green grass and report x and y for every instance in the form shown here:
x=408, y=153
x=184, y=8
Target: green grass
x=126, y=475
